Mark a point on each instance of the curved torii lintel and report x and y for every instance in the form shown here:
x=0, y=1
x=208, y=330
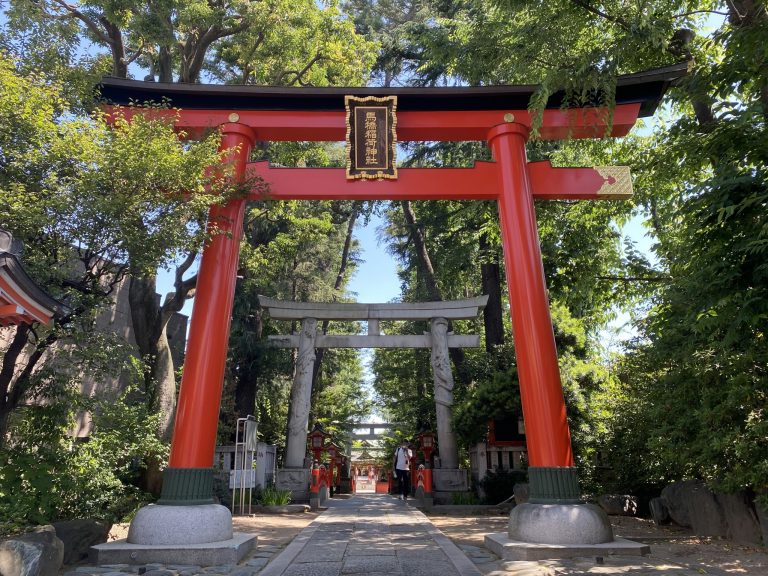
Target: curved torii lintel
x=450, y=310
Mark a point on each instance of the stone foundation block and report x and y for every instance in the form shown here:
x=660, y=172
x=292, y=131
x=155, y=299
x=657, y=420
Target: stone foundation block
x=450, y=480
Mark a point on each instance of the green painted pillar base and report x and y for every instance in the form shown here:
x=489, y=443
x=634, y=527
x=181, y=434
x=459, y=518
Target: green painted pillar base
x=187, y=487
x=553, y=485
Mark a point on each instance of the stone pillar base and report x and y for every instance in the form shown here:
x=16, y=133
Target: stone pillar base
x=179, y=525
x=297, y=481
x=229, y=551
x=450, y=480
x=562, y=524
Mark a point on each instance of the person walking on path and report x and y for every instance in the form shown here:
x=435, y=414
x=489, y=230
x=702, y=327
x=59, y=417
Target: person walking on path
x=403, y=457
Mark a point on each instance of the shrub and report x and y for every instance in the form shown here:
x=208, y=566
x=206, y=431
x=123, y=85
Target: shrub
x=499, y=485
x=47, y=475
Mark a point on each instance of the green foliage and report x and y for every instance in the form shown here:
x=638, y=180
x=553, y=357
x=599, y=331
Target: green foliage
x=48, y=475
x=464, y=498
x=279, y=42
x=499, y=485
x=86, y=196
x=272, y=496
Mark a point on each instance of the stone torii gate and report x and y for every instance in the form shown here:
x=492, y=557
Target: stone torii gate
x=498, y=115
x=295, y=475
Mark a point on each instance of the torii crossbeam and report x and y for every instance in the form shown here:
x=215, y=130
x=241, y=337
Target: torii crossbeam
x=497, y=115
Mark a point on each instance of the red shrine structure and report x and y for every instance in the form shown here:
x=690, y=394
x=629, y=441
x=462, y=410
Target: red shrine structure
x=22, y=301
x=498, y=115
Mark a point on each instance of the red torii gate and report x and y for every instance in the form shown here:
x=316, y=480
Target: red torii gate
x=497, y=115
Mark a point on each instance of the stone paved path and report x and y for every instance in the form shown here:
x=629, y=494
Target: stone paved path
x=371, y=535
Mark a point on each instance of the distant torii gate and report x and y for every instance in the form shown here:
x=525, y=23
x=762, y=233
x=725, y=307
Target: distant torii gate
x=294, y=476
x=497, y=115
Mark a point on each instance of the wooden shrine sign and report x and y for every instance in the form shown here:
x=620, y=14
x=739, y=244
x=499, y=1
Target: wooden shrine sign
x=371, y=137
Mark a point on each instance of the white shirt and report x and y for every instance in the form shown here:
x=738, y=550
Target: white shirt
x=402, y=457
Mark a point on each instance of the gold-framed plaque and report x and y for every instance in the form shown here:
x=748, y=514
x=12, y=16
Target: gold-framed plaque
x=371, y=137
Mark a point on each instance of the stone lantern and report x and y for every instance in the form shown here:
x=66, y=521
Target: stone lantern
x=317, y=439
x=427, y=446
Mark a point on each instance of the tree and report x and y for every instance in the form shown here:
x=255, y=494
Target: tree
x=184, y=41
x=694, y=390
x=83, y=195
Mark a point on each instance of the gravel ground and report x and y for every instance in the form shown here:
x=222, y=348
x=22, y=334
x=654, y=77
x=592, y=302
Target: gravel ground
x=673, y=550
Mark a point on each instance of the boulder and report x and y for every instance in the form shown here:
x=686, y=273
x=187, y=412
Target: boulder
x=707, y=517
x=675, y=497
x=659, y=511
x=742, y=524
x=618, y=504
x=762, y=517
x=693, y=505
x=79, y=535
x=39, y=553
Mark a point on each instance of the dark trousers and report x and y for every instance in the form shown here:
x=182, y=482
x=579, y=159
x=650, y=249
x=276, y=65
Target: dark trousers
x=403, y=481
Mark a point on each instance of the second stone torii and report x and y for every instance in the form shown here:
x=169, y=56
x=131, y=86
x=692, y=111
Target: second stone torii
x=438, y=339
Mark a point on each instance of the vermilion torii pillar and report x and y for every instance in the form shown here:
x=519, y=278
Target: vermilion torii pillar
x=497, y=115
x=188, y=478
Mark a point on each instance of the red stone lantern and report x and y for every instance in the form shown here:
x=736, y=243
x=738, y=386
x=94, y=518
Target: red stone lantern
x=427, y=445
x=334, y=452
x=317, y=440
x=340, y=466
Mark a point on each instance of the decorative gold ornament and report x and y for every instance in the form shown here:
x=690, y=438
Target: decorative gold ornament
x=509, y=117
x=234, y=117
x=618, y=182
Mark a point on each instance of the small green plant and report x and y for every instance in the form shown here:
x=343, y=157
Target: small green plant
x=272, y=496
x=464, y=499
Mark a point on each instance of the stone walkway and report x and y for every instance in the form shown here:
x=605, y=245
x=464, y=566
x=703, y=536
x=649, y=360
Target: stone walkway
x=371, y=535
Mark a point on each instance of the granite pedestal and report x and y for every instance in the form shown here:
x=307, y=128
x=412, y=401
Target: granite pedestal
x=197, y=534
x=297, y=481
x=548, y=531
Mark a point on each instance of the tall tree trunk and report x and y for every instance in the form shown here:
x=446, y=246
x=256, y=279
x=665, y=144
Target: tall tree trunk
x=493, y=316
x=430, y=282
x=165, y=65
x=149, y=329
x=15, y=391
x=11, y=356
x=117, y=48
x=320, y=352
x=247, y=384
